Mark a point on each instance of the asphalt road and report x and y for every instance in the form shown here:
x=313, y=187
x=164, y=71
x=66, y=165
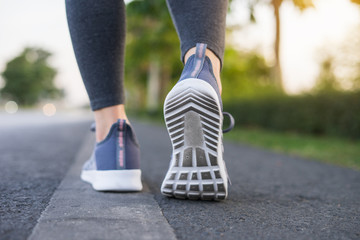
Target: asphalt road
x=35, y=153
x=272, y=196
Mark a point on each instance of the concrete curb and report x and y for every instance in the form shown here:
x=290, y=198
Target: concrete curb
x=76, y=211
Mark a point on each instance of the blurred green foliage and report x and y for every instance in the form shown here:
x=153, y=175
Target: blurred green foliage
x=151, y=37
x=29, y=78
x=328, y=113
x=249, y=90
x=327, y=81
x=276, y=76
x=246, y=75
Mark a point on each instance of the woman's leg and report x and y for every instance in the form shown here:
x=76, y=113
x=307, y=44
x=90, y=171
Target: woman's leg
x=201, y=21
x=97, y=29
x=193, y=108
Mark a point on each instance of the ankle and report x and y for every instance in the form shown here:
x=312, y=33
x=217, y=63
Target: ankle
x=106, y=117
x=215, y=62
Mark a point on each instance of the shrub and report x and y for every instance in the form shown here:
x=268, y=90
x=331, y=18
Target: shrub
x=336, y=113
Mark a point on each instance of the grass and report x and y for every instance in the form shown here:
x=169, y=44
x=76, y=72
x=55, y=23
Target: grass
x=342, y=152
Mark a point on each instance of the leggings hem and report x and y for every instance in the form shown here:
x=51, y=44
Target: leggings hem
x=103, y=103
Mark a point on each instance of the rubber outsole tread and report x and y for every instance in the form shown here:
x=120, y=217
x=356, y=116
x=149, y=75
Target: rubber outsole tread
x=191, y=91
x=194, y=172
x=192, y=99
x=191, y=108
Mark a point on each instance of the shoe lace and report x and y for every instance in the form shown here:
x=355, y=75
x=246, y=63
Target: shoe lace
x=232, y=122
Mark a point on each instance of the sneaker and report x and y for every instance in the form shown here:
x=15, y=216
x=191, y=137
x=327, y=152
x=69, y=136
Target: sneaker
x=115, y=162
x=193, y=116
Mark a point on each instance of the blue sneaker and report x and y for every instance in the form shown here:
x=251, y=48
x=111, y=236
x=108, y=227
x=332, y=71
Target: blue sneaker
x=115, y=162
x=193, y=116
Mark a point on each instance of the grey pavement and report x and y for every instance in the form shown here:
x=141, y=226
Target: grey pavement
x=78, y=212
x=35, y=154
x=273, y=196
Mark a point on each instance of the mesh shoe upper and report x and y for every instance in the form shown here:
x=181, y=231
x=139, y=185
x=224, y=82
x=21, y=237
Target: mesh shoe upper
x=118, y=151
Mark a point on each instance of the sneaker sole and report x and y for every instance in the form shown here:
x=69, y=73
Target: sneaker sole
x=193, y=119
x=113, y=180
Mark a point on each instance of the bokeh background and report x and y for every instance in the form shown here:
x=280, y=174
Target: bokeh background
x=291, y=67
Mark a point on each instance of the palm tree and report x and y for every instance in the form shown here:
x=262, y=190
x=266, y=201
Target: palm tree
x=276, y=4
x=301, y=4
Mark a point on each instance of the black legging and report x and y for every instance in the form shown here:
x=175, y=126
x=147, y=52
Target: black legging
x=97, y=29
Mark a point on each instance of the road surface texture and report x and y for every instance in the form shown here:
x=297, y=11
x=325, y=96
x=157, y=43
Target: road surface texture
x=35, y=153
x=272, y=196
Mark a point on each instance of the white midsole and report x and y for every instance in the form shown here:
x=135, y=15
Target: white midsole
x=113, y=180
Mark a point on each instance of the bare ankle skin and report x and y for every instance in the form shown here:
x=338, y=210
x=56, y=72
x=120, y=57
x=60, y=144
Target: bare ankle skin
x=214, y=60
x=106, y=117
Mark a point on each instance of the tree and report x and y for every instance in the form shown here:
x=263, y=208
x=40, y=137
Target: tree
x=327, y=81
x=29, y=78
x=152, y=52
x=152, y=60
x=246, y=75
x=301, y=4
x=356, y=80
x=276, y=4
